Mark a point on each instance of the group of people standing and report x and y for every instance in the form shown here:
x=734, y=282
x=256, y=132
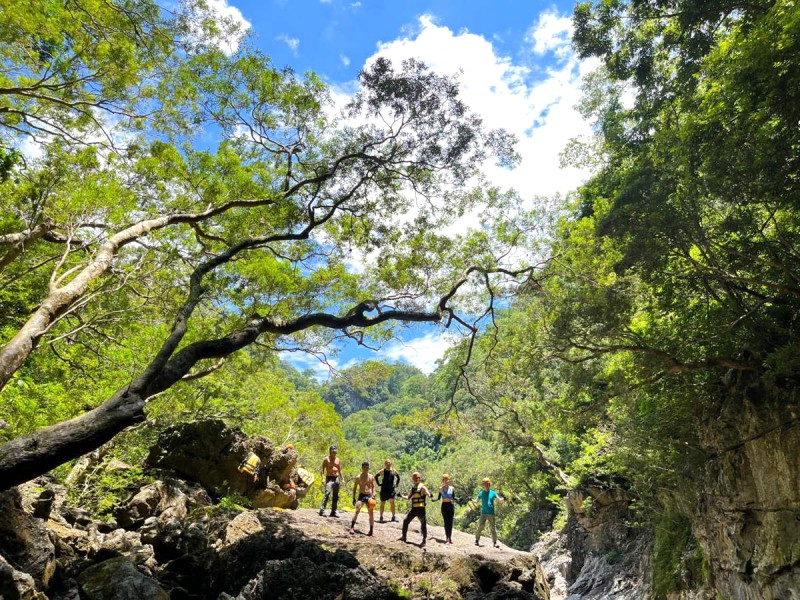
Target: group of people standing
x=388, y=480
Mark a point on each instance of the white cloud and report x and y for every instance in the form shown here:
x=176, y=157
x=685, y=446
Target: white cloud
x=551, y=33
x=345, y=60
x=292, y=42
x=231, y=22
x=537, y=107
x=421, y=352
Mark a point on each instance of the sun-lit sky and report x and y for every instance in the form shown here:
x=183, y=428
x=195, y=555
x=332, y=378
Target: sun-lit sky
x=518, y=71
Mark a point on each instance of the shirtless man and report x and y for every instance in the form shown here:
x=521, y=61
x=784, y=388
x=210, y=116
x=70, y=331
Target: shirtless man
x=332, y=472
x=365, y=485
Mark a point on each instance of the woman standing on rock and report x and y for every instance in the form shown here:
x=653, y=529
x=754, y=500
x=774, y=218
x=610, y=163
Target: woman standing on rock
x=447, y=495
x=388, y=479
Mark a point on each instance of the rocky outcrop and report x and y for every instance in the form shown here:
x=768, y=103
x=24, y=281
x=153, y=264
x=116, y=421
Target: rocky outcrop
x=118, y=579
x=16, y=585
x=170, y=540
x=736, y=527
x=24, y=541
x=209, y=452
x=168, y=498
x=747, y=518
x=598, y=555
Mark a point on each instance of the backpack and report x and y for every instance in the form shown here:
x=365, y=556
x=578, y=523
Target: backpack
x=251, y=465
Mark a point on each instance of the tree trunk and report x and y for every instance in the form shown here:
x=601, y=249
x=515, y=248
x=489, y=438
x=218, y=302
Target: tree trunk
x=26, y=457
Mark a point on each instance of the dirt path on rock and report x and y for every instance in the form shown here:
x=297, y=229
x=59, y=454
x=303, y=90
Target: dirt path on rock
x=334, y=531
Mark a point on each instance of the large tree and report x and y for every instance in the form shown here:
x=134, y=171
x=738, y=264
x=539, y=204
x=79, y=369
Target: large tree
x=276, y=224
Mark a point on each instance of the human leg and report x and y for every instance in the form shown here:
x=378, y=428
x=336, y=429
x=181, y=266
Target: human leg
x=335, y=494
x=371, y=511
x=326, y=495
x=481, y=523
x=490, y=518
x=406, y=522
x=448, y=511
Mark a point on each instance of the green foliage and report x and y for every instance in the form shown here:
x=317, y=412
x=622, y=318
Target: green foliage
x=235, y=502
x=361, y=386
x=105, y=488
x=674, y=264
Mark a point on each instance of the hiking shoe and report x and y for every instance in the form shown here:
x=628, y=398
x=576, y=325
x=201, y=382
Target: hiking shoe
x=422, y=545
x=496, y=545
x=370, y=533
x=380, y=520
x=321, y=512
x=449, y=541
x=334, y=515
x=402, y=539
x=352, y=531
x=394, y=519
x=477, y=543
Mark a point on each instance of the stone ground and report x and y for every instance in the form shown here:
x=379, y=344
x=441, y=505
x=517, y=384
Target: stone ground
x=434, y=571
x=387, y=535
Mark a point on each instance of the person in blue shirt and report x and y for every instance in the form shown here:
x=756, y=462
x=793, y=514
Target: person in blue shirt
x=487, y=497
x=448, y=496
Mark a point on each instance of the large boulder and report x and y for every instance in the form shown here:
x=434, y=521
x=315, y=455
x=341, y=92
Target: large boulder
x=119, y=579
x=210, y=452
x=166, y=499
x=16, y=585
x=24, y=541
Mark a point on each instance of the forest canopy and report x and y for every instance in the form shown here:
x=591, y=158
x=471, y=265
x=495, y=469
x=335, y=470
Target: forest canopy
x=185, y=201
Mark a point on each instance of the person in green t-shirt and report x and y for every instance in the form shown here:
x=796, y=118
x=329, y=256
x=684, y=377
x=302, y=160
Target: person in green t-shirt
x=487, y=497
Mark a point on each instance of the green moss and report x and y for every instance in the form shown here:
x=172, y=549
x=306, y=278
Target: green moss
x=398, y=589
x=678, y=561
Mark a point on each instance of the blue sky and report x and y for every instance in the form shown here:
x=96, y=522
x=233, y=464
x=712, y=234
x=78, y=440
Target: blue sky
x=518, y=71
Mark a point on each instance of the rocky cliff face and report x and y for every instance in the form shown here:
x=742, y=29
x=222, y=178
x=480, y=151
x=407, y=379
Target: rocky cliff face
x=741, y=515
x=747, y=517
x=598, y=555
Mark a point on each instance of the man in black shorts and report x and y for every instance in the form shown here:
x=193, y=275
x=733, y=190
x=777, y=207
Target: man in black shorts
x=388, y=479
x=365, y=486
